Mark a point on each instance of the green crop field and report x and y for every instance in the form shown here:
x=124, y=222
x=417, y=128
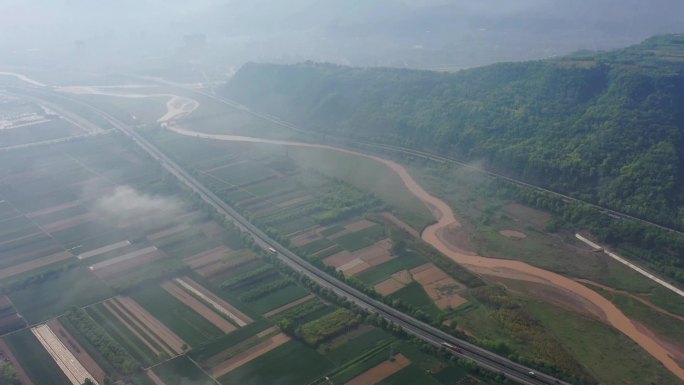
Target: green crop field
x=346, y=348
x=379, y=273
x=290, y=364
x=315, y=246
x=112, y=326
x=278, y=298
x=56, y=294
x=186, y=323
x=361, y=239
x=412, y=375
x=217, y=345
x=182, y=371
x=35, y=360
x=414, y=295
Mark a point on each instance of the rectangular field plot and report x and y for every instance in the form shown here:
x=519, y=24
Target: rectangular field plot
x=242, y=173
x=290, y=364
x=185, y=322
x=200, y=308
x=39, y=132
x=361, y=239
x=259, y=286
x=412, y=374
x=141, y=348
x=67, y=362
x=379, y=273
x=57, y=292
x=36, y=263
x=181, y=371
x=34, y=359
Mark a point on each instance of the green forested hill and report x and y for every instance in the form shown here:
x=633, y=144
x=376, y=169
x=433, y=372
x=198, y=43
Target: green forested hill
x=606, y=127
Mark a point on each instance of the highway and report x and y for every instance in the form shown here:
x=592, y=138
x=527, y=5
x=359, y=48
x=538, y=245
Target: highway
x=427, y=333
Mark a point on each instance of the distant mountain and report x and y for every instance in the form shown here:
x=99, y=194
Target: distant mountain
x=428, y=34
x=607, y=127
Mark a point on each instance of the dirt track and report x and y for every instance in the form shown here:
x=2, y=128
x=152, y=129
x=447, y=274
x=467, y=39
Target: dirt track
x=445, y=219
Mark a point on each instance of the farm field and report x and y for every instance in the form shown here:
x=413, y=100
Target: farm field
x=181, y=371
x=156, y=289
x=291, y=363
x=34, y=359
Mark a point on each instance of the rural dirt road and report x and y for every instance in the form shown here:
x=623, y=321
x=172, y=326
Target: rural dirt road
x=446, y=221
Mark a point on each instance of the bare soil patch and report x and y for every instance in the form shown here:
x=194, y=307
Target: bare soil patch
x=306, y=237
x=54, y=209
x=198, y=307
x=289, y=306
x=29, y=254
x=375, y=254
x=70, y=222
x=536, y=218
x=34, y=264
x=339, y=259
x=211, y=269
x=6, y=353
x=242, y=319
x=513, y=234
x=127, y=259
x=267, y=332
x=249, y=355
x=389, y=286
x=103, y=249
x=355, y=266
x=154, y=377
x=381, y=371
x=20, y=238
x=167, y=232
x=77, y=350
x=207, y=257
x=212, y=229
x=441, y=288
x=127, y=265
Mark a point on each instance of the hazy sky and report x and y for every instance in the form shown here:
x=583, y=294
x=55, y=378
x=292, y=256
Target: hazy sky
x=362, y=32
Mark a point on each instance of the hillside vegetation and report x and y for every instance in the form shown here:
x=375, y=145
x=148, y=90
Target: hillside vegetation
x=605, y=127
